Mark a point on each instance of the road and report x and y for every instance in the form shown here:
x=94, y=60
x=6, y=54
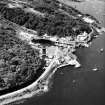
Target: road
x=82, y=86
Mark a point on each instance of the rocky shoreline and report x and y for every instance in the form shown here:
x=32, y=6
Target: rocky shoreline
x=62, y=55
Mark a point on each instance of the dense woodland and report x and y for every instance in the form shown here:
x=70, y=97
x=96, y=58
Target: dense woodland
x=54, y=22
x=18, y=61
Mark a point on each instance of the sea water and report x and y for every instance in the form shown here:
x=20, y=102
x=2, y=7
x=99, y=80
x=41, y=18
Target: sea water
x=84, y=85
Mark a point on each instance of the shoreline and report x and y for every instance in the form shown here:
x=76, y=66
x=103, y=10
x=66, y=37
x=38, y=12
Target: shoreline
x=32, y=89
x=40, y=85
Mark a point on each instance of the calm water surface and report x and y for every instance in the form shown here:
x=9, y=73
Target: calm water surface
x=81, y=86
